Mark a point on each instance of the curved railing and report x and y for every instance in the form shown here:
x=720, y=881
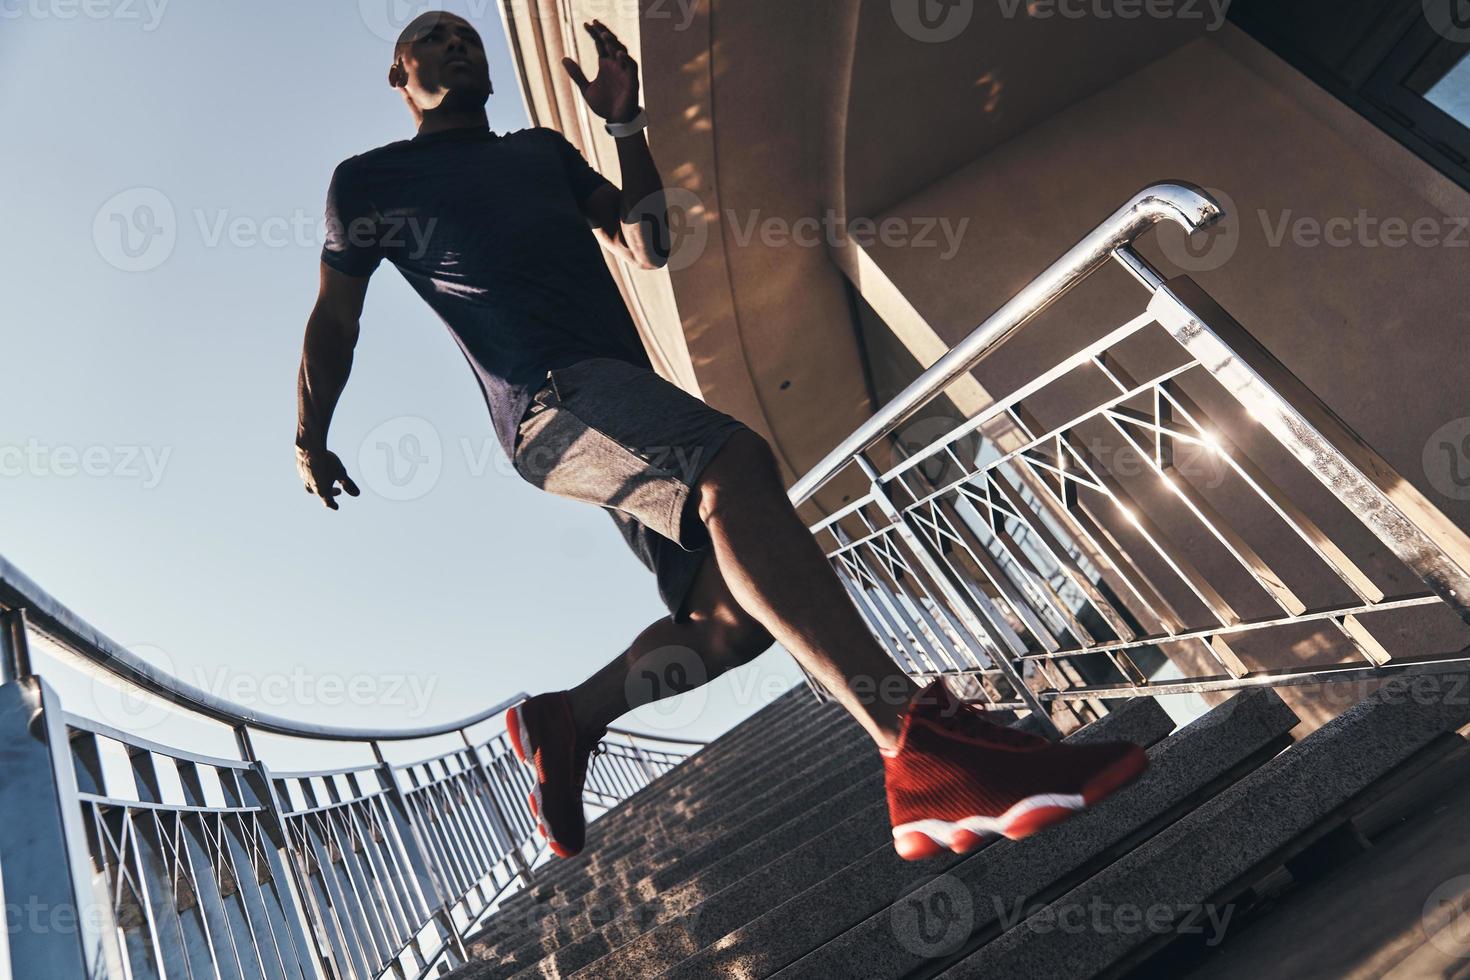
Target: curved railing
x=122, y=856
x=1143, y=516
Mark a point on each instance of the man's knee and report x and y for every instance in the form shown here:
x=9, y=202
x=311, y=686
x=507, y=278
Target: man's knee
x=745, y=466
x=739, y=638
x=749, y=638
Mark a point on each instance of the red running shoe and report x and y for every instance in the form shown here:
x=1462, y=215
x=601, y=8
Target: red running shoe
x=956, y=776
x=544, y=738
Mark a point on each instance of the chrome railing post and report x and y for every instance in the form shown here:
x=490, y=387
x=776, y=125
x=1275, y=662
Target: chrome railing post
x=502, y=823
x=277, y=853
x=419, y=855
x=15, y=651
x=59, y=919
x=641, y=759
x=959, y=603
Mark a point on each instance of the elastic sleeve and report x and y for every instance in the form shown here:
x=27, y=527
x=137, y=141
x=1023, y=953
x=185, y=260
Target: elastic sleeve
x=353, y=240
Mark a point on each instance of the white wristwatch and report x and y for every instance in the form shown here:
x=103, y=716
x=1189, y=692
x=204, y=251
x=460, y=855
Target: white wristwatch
x=630, y=128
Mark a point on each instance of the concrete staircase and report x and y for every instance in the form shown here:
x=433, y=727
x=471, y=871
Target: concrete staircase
x=768, y=854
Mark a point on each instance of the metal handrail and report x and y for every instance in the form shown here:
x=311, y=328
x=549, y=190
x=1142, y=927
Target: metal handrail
x=647, y=737
x=49, y=615
x=1179, y=201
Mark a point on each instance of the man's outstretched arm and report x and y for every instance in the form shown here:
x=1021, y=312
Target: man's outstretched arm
x=326, y=361
x=632, y=221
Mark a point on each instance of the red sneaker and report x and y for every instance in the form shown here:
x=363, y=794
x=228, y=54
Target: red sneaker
x=544, y=738
x=956, y=776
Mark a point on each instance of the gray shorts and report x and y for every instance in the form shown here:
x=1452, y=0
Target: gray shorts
x=619, y=436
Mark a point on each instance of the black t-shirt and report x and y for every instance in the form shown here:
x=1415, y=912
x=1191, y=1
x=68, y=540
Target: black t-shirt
x=488, y=229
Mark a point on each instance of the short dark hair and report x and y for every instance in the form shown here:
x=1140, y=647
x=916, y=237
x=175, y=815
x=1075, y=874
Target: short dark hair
x=415, y=28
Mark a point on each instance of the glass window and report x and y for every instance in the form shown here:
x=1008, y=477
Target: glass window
x=1450, y=92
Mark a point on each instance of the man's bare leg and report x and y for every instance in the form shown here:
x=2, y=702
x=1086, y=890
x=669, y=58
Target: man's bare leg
x=778, y=574
x=720, y=633
x=940, y=793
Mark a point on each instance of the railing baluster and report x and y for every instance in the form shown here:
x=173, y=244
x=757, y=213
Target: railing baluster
x=957, y=600
x=430, y=873
x=1410, y=526
x=43, y=857
x=291, y=891
x=515, y=841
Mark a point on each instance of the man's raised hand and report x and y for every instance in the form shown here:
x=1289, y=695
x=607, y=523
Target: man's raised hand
x=321, y=471
x=613, y=94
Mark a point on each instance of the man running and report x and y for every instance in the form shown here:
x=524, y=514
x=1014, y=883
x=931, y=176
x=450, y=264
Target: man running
x=507, y=254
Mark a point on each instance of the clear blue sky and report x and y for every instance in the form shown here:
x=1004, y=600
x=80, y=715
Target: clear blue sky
x=147, y=403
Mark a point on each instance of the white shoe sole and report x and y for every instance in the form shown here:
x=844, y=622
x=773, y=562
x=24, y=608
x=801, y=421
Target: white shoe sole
x=942, y=832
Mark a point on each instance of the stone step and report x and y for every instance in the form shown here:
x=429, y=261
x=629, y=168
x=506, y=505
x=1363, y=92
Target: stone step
x=795, y=920
x=516, y=918
x=721, y=907
x=526, y=935
x=1197, y=865
x=798, y=731
x=965, y=907
x=770, y=765
x=793, y=706
x=791, y=710
x=691, y=827
x=793, y=729
x=610, y=900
